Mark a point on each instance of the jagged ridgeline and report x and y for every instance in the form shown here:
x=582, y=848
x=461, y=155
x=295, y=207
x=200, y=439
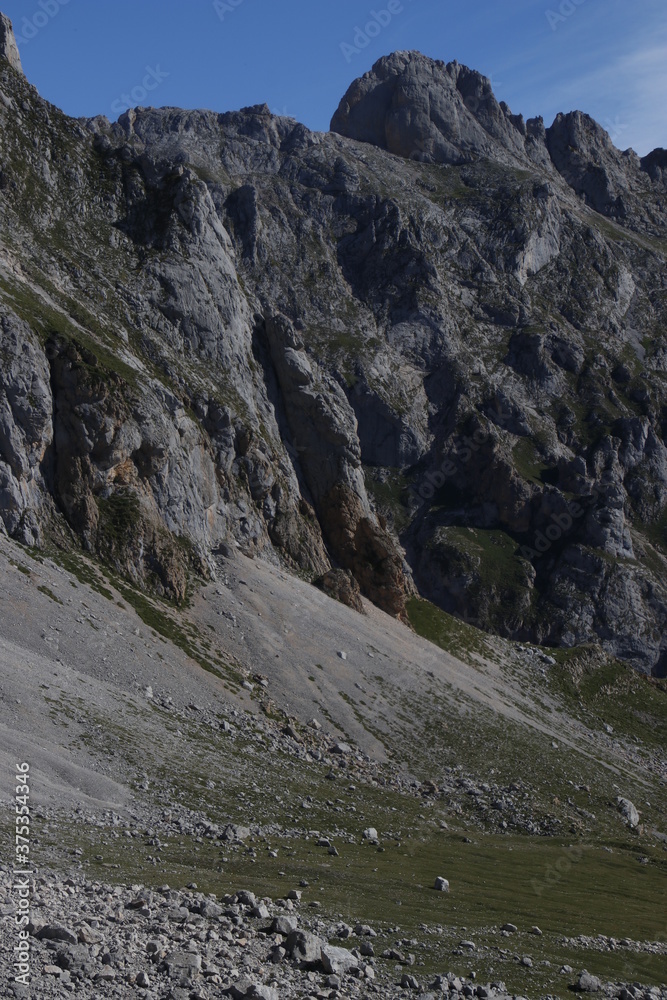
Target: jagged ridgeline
x=425, y=349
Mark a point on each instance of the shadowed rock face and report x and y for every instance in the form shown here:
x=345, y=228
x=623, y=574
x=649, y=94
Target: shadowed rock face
x=424, y=349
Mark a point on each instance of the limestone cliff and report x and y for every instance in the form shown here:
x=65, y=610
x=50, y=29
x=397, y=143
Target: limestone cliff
x=426, y=348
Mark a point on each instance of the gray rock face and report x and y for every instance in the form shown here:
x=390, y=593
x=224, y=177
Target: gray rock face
x=434, y=112
x=26, y=432
x=8, y=48
x=614, y=183
x=430, y=111
x=410, y=350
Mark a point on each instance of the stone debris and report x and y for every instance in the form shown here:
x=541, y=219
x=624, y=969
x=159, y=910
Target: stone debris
x=91, y=936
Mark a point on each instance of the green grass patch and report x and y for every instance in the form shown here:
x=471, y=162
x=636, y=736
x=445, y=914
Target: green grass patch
x=185, y=638
x=120, y=518
x=528, y=462
x=566, y=890
x=446, y=631
x=49, y=593
x=634, y=704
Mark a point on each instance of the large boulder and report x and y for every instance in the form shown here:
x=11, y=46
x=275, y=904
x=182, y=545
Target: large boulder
x=337, y=961
x=304, y=946
x=628, y=810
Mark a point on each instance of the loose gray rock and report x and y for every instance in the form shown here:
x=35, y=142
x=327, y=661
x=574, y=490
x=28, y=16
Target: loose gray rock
x=234, y=833
x=183, y=965
x=284, y=924
x=304, y=946
x=245, y=897
x=337, y=961
x=586, y=983
x=54, y=932
x=629, y=811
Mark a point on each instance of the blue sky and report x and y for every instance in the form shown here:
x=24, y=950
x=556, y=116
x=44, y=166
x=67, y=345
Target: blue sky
x=605, y=57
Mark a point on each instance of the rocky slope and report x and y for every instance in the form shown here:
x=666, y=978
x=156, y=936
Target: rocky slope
x=426, y=348
x=91, y=936
x=168, y=779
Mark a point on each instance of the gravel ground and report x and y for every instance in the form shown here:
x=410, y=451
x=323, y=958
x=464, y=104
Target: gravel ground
x=292, y=680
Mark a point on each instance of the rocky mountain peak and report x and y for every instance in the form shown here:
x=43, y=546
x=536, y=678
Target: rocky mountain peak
x=585, y=156
x=8, y=47
x=435, y=112
x=428, y=110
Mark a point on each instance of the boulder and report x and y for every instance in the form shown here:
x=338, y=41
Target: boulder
x=183, y=966
x=337, y=961
x=284, y=924
x=586, y=983
x=628, y=810
x=304, y=946
x=55, y=932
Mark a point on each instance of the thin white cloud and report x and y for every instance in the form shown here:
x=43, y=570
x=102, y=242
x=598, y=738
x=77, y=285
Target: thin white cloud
x=628, y=97
x=602, y=61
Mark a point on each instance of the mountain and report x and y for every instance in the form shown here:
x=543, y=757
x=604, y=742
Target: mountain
x=423, y=353
x=238, y=358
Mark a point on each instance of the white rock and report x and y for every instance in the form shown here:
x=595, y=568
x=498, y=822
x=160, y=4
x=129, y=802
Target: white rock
x=629, y=810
